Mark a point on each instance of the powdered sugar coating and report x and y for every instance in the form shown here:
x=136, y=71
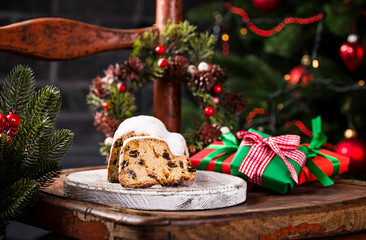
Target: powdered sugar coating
x=154, y=128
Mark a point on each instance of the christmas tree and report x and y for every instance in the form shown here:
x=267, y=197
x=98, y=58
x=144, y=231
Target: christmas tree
x=293, y=60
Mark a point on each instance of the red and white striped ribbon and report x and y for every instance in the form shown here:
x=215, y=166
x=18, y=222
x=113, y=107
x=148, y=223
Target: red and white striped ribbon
x=264, y=149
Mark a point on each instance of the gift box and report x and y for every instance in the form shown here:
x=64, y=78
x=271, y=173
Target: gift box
x=324, y=165
x=226, y=156
x=217, y=156
x=272, y=162
x=321, y=163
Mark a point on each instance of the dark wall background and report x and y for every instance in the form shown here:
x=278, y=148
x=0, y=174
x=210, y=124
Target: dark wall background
x=74, y=77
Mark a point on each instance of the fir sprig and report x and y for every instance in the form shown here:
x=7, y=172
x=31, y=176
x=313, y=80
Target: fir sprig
x=202, y=48
x=204, y=98
x=16, y=198
x=17, y=90
x=30, y=159
x=177, y=36
x=93, y=101
x=122, y=106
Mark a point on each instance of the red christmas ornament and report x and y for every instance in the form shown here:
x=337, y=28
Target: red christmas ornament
x=216, y=100
x=296, y=73
x=352, y=53
x=217, y=89
x=121, y=87
x=160, y=50
x=14, y=119
x=355, y=149
x=162, y=62
x=105, y=105
x=267, y=5
x=4, y=123
x=209, y=111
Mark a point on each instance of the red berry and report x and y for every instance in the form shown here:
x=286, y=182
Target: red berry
x=122, y=87
x=217, y=89
x=216, y=100
x=11, y=132
x=7, y=138
x=162, y=62
x=4, y=123
x=209, y=111
x=14, y=120
x=160, y=50
x=105, y=105
x=192, y=149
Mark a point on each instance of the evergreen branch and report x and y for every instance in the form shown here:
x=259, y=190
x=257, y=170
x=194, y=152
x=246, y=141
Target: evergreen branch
x=45, y=104
x=3, y=162
x=150, y=72
x=122, y=104
x=177, y=36
x=17, y=89
x=16, y=198
x=32, y=139
x=202, y=48
x=61, y=141
x=30, y=159
x=46, y=162
x=104, y=149
x=329, y=83
x=49, y=177
x=46, y=171
x=93, y=101
x=145, y=44
x=28, y=148
x=205, y=99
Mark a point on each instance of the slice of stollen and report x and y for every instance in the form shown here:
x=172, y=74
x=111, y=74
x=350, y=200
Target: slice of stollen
x=146, y=161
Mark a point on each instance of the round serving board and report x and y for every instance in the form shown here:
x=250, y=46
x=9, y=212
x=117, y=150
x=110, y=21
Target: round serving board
x=210, y=190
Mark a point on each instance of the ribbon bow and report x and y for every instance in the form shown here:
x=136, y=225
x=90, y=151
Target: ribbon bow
x=229, y=146
x=316, y=143
x=264, y=149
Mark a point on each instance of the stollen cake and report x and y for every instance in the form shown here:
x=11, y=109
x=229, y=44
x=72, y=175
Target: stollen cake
x=149, y=137
x=147, y=161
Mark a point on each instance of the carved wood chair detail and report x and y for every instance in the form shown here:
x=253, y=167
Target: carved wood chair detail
x=63, y=39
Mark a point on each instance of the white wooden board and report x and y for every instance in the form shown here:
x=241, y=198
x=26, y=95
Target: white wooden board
x=210, y=190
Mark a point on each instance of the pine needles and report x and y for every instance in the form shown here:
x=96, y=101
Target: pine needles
x=31, y=159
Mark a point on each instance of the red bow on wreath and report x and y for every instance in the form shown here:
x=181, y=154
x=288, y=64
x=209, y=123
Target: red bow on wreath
x=264, y=149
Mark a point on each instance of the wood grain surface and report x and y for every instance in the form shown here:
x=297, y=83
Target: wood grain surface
x=167, y=92
x=308, y=211
x=62, y=39
x=209, y=190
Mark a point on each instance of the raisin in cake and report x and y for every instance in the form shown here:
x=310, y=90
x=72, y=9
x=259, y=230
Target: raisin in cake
x=137, y=127
x=147, y=161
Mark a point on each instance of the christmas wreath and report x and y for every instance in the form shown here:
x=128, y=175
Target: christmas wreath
x=178, y=53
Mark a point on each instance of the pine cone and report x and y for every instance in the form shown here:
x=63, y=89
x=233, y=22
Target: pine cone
x=209, y=133
x=177, y=67
x=131, y=69
x=113, y=72
x=218, y=74
x=99, y=87
x=236, y=102
x=203, y=80
x=105, y=123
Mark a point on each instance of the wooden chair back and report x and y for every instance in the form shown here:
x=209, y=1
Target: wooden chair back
x=63, y=39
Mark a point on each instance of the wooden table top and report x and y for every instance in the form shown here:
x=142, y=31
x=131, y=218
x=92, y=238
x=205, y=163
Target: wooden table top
x=309, y=210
